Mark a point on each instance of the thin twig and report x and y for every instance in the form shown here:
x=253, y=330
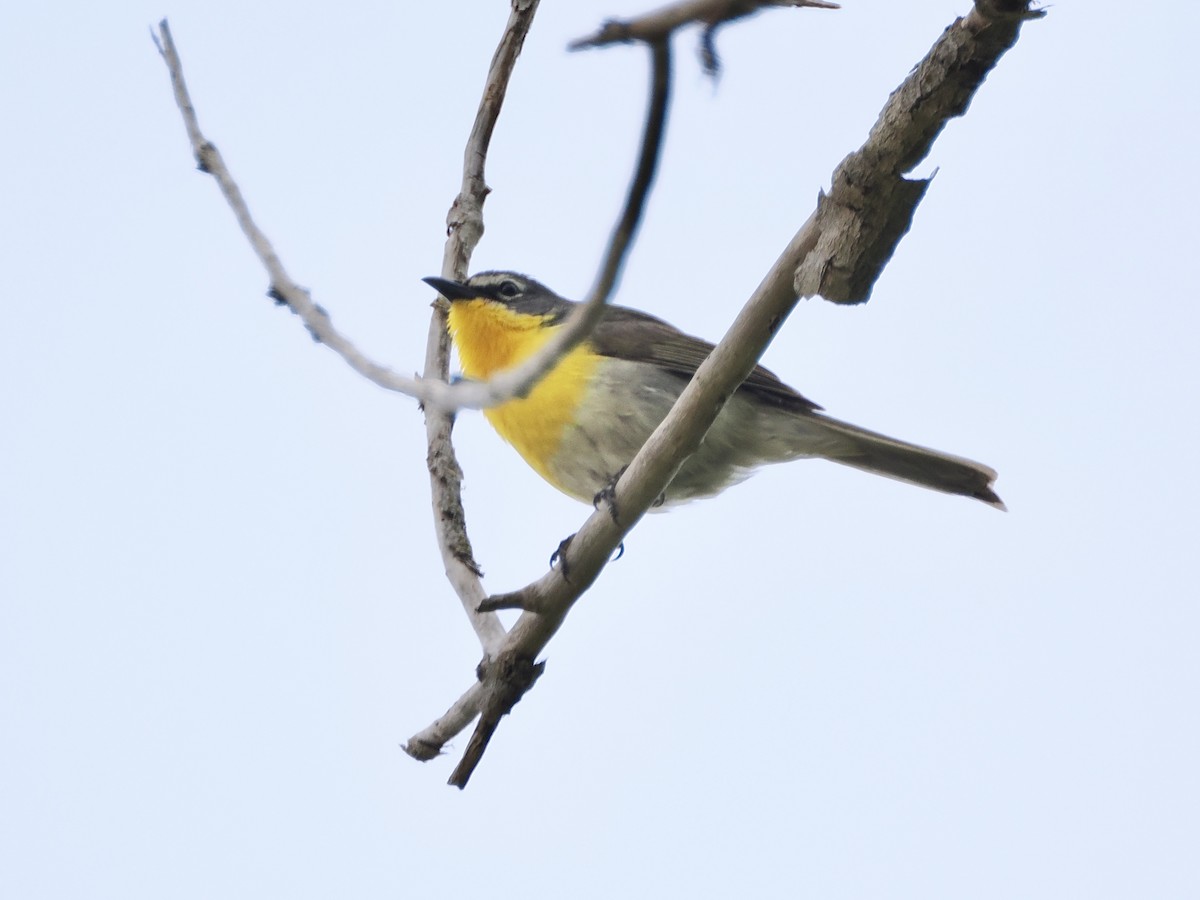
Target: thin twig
x=519, y=380
x=282, y=288
x=978, y=41
x=576, y=329
x=579, y=324
x=464, y=229
x=425, y=745
x=649, y=155
x=660, y=24
x=434, y=392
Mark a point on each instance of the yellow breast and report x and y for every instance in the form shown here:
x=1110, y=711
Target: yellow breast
x=489, y=338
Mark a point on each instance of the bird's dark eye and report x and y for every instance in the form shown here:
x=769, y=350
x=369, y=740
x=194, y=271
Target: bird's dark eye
x=509, y=289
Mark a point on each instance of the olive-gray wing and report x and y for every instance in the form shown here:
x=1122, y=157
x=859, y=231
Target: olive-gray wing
x=626, y=333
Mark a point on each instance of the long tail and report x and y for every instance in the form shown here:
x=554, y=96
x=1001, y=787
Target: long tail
x=882, y=455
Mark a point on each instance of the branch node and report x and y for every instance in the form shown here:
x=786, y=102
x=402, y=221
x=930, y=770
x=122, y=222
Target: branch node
x=505, y=681
x=207, y=156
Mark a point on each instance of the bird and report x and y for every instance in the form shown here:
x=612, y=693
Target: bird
x=584, y=422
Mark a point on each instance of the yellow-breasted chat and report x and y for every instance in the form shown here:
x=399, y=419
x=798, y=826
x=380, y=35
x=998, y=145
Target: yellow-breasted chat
x=589, y=416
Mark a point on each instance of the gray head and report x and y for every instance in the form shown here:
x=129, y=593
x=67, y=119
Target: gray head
x=512, y=289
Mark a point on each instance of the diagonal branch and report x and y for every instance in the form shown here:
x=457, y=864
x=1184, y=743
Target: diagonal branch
x=465, y=226
x=427, y=744
x=283, y=289
x=964, y=55
x=870, y=203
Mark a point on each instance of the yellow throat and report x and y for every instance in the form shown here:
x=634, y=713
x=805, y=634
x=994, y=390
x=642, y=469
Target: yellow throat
x=489, y=338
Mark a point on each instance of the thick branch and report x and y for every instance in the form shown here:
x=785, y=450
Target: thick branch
x=870, y=204
x=793, y=275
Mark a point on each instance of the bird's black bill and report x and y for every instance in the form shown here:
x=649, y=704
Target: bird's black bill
x=451, y=290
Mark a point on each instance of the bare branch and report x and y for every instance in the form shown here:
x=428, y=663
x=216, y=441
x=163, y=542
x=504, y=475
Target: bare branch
x=980, y=38
x=426, y=744
x=445, y=475
x=432, y=392
x=626, y=228
x=659, y=24
x=502, y=691
x=838, y=253
x=464, y=222
x=282, y=289
x=519, y=380
x=464, y=229
x=577, y=327
x=870, y=204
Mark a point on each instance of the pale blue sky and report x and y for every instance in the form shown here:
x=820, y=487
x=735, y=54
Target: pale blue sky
x=222, y=608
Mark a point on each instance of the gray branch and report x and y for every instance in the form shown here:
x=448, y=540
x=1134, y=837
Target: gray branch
x=464, y=229
x=841, y=249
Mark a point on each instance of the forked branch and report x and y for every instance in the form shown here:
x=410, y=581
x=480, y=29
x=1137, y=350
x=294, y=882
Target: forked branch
x=838, y=253
x=830, y=249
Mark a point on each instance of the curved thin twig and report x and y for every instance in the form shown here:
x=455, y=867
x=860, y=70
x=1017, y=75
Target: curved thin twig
x=438, y=396
x=466, y=228
x=519, y=380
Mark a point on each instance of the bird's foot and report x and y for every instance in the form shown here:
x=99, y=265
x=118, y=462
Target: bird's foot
x=608, y=495
x=559, y=556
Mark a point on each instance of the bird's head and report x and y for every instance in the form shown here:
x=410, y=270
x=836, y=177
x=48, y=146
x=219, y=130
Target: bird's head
x=516, y=292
